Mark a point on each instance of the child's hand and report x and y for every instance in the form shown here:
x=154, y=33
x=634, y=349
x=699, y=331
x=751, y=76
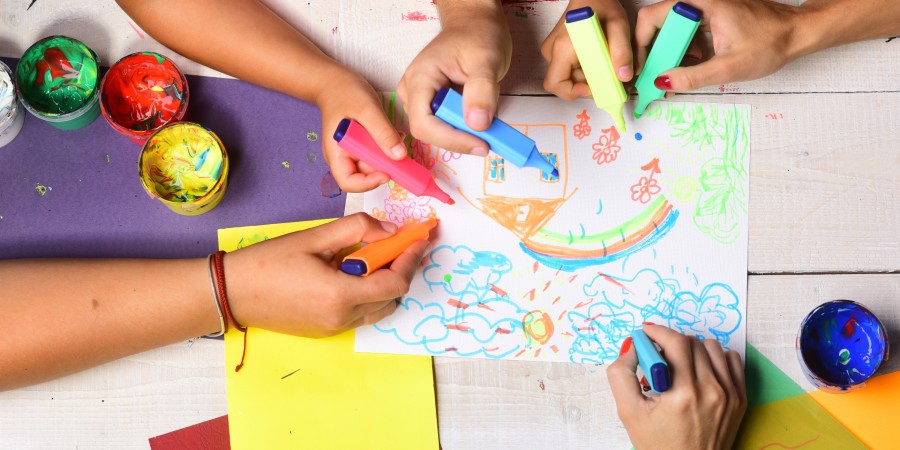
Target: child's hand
x=293, y=284
x=702, y=409
x=473, y=50
x=564, y=77
x=751, y=39
x=350, y=96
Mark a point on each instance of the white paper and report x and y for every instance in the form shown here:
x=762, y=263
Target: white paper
x=644, y=225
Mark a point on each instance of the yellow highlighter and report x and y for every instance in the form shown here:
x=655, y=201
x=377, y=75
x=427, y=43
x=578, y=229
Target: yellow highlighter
x=379, y=253
x=593, y=54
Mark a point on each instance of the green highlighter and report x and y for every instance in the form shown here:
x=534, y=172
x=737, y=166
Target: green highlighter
x=669, y=48
x=593, y=55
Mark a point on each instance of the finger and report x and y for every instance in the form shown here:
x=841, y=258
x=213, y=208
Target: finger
x=370, y=313
x=374, y=120
x=388, y=283
x=623, y=379
x=348, y=176
x=720, y=69
x=481, y=93
x=331, y=238
x=736, y=368
x=678, y=353
x=719, y=365
x=694, y=54
x=703, y=370
x=649, y=20
x=558, y=80
x=618, y=35
x=428, y=128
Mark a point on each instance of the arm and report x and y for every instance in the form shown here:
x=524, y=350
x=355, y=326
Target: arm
x=245, y=39
x=473, y=49
x=702, y=409
x=755, y=38
x=69, y=315
x=564, y=77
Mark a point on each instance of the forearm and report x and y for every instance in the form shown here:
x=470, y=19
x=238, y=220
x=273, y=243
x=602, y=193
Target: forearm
x=242, y=38
x=831, y=23
x=64, y=316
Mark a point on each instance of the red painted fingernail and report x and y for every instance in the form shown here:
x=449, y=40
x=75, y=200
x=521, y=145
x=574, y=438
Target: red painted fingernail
x=663, y=83
x=645, y=386
x=649, y=323
x=626, y=345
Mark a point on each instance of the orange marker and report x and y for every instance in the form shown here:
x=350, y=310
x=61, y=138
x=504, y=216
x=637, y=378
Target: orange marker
x=379, y=253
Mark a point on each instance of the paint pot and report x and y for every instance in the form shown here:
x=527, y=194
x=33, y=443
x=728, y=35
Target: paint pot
x=840, y=345
x=12, y=116
x=185, y=166
x=141, y=93
x=57, y=82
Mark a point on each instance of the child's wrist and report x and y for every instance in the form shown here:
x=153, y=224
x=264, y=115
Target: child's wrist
x=462, y=12
x=812, y=25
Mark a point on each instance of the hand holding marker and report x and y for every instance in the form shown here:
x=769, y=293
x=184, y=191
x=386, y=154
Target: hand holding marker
x=379, y=253
x=593, y=55
x=655, y=368
x=668, y=50
x=504, y=140
x=353, y=138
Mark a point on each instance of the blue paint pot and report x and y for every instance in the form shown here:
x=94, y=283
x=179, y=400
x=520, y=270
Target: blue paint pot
x=841, y=344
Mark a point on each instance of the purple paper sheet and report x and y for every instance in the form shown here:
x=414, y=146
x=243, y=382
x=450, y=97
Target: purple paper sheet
x=95, y=206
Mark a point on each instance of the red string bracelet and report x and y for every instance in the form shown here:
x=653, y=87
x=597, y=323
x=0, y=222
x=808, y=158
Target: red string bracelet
x=218, y=259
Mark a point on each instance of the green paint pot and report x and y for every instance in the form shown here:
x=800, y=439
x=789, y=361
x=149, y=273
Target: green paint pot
x=56, y=79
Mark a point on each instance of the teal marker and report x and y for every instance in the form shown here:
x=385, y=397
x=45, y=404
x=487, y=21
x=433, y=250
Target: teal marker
x=655, y=368
x=669, y=48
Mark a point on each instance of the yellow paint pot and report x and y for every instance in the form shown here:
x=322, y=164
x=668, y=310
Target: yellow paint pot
x=185, y=166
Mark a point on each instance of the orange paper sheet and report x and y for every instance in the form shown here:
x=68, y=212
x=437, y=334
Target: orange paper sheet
x=871, y=413
x=317, y=393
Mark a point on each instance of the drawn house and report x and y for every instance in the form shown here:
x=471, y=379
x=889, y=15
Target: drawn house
x=523, y=200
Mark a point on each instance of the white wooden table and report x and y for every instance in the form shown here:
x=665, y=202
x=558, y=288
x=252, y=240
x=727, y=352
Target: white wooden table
x=824, y=224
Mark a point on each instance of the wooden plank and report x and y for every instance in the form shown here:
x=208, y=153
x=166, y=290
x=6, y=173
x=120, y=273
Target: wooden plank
x=482, y=404
x=379, y=40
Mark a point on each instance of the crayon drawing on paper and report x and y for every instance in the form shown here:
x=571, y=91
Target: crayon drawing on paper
x=649, y=225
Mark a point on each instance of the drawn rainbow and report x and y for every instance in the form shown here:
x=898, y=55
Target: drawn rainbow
x=570, y=252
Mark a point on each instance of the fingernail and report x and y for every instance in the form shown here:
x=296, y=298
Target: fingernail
x=624, y=73
x=648, y=323
x=626, y=345
x=479, y=151
x=399, y=151
x=479, y=119
x=645, y=386
x=663, y=83
x=389, y=227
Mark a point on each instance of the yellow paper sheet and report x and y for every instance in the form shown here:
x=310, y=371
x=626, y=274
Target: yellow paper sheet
x=317, y=393
x=870, y=413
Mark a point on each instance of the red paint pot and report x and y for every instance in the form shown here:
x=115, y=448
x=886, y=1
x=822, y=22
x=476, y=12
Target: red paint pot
x=141, y=93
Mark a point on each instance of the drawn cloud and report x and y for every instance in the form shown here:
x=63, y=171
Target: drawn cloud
x=458, y=270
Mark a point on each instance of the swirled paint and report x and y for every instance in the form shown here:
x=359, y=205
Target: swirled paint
x=186, y=167
x=57, y=82
x=11, y=115
x=841, y=344
x=142, y=92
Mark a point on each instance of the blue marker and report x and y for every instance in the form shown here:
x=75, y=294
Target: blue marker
x=504, y=140
x=655, y=369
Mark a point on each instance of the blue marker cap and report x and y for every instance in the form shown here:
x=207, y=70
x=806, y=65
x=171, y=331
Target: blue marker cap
x=504, y=140
x=579, y=14
x=655, y=368
x=687, y=11
x=341, y=129
x=354, y=267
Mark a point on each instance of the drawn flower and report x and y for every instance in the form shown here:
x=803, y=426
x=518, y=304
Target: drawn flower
x=644, y=190
x=582, y=128
x=606, y=149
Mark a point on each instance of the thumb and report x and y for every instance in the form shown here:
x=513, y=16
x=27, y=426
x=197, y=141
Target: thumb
x=623, y=378
x=383, y=131
x=720, y=69
x=481, y=94
x=348, y=231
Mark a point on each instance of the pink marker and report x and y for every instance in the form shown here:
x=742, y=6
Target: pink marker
x=352, y=137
